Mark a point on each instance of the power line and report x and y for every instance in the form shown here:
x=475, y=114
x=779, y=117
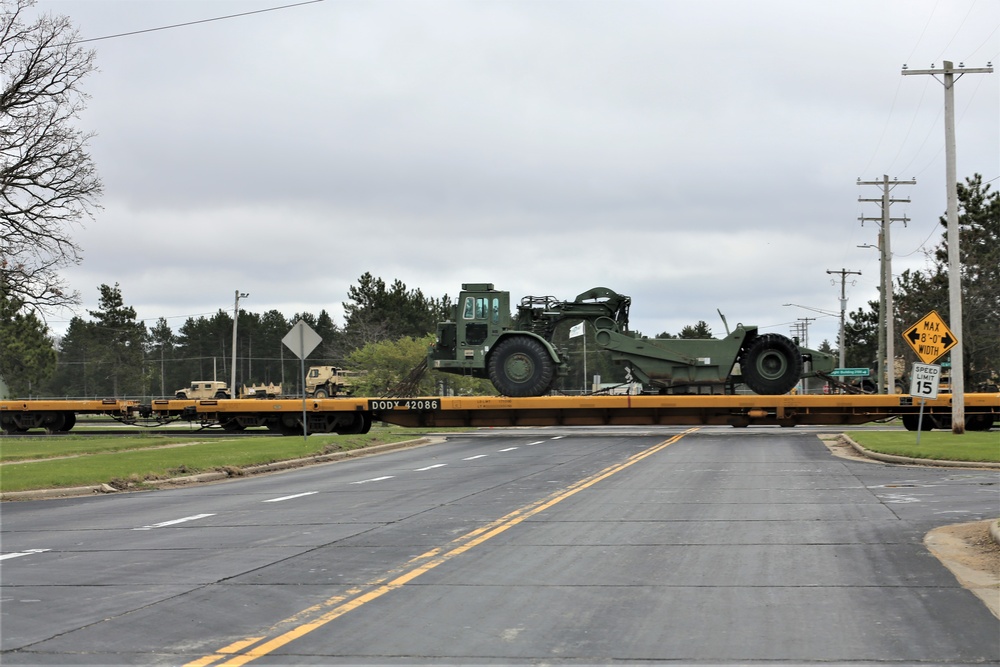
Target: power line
x=183, y=25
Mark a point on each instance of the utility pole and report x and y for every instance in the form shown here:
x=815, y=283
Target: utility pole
x=236, y=317
x=887, y=366
x=954, y=259
x=843, y=305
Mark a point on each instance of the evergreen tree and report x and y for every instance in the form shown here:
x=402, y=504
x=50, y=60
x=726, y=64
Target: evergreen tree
x=27, y=357
x=375, y=312
x=79, y=374
x=161, y=356
x=700, y=330
x=918, y=292
x=120, y=343
x=979, y=251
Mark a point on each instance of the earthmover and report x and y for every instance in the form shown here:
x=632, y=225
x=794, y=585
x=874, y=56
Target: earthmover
x=483, y=339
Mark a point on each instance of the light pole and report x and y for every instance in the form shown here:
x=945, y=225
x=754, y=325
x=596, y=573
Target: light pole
x=236, y=317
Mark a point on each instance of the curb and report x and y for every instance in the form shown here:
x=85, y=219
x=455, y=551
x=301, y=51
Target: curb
x=892, y=458
x=218, y=476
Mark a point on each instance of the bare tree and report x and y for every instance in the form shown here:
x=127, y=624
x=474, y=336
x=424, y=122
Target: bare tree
x=48, y=181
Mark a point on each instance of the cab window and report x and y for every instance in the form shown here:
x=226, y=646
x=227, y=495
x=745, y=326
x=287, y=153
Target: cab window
x=478, y=308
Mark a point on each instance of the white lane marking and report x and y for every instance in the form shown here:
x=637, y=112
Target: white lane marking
x=473, y=458
x=174, y=522
x=509, y=449
x=436, y=465
x=374, y=479
x=297, y=495
x=558, y=437
x=24, y=553
x=537, y=442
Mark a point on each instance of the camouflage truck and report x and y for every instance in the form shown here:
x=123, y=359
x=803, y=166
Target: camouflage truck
x=202, y=389
x=329, y=381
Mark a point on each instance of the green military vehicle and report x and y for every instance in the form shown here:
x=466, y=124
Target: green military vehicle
x=483, y=339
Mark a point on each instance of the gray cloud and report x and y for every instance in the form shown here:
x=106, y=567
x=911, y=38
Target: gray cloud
x=693, y=155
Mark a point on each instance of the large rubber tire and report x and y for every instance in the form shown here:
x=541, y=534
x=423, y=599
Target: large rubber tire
x=320, y=393
x=521, y=366
x=771, y=365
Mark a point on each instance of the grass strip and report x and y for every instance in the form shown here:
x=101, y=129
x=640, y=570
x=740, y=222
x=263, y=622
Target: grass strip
x=124, y=464
x=939, y=445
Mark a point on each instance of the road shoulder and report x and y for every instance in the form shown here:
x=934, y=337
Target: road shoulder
x=970, y=551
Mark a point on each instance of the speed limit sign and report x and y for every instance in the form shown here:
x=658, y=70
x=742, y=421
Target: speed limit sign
x=924, y=380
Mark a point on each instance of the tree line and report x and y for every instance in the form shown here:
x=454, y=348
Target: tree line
x=112, y=353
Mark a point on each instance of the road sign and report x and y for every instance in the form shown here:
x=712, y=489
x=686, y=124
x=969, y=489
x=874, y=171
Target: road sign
x=301, y=340
x=930, y=338
x=854, y=372
x=924, y=380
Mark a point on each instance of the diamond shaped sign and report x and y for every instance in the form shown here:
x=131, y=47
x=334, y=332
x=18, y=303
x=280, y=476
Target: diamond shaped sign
x=930, y=338
x=302, y=339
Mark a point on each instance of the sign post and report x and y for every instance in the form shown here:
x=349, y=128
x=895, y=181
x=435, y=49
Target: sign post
x=931, y=338
x=302, y=340
x=924, y=382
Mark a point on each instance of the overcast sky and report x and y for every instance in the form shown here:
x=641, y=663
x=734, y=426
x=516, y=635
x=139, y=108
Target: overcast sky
x=693, y=155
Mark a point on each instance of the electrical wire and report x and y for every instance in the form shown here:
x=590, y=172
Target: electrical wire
x=187, y=23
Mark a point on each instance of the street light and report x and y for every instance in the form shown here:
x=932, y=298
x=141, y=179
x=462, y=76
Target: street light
x=236, y=317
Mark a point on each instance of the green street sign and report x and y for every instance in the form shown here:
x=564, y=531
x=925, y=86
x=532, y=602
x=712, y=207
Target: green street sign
x=859, y=372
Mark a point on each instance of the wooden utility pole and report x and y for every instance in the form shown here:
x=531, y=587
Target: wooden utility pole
x=954, y=259
x=886, y=349
x=843, y=305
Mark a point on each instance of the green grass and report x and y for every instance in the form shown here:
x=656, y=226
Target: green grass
x=120, y=461
x=134, y=460
x=940, y=445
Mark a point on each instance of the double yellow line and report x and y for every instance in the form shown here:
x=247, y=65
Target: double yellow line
x=315, y=617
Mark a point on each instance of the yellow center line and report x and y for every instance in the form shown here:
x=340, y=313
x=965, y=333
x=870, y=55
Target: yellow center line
x=319, y=615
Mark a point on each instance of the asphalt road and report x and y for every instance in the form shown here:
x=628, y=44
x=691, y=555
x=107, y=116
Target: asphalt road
x=722, y=546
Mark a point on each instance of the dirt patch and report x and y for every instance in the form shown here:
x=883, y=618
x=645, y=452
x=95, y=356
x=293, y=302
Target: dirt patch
x=839, y=446
x=972, y=555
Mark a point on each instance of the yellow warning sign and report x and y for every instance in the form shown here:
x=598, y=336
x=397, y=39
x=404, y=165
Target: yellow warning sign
x=930, y=338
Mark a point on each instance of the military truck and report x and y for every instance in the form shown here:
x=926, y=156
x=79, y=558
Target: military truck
x=328, y=381
x=515, y=352
x=202, y=389
x=269, y=390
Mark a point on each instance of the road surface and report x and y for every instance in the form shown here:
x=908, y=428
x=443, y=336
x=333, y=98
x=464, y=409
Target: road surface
x=518, y=546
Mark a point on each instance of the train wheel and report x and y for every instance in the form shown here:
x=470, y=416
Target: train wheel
x=521, y=366
x=54, y=422
x=232, y=425
x=362, y=423
x=771, y=365
x=911, y=422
